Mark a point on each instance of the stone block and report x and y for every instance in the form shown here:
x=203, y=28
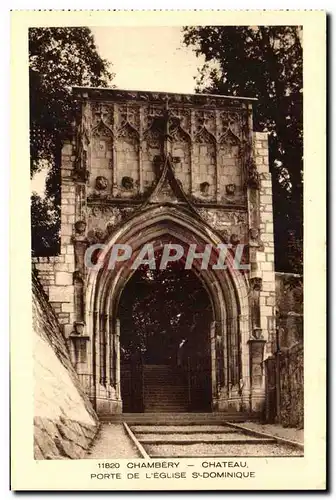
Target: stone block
x=267, y=237
x=260, y=256
x=65, y=240
x=37, y=452
x=60, y=266
x=269, y=227
x=260, y=136
x=68, y=210
x=266, y=266
x=267, y=199
x=262, y=168
x=60, y=293
x=268, y=286
x=63, y=278
x=67, y=307
x=66, y=150
x=270, y=301
x=69, y=259
x=266, y=216
x=268, y=276
x=266, y=311
x=45, y=442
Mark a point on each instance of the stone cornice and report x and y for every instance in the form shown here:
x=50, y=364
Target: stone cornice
x=143, y=97
x=132, y=203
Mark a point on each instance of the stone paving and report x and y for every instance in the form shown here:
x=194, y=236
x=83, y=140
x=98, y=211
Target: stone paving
x=292, y=434
x=112, y=442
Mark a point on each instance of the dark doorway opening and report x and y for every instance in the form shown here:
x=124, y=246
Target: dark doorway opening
x=165, y=318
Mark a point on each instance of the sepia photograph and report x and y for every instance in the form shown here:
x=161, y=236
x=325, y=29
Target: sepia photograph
x=167, y=243
x=169, y=250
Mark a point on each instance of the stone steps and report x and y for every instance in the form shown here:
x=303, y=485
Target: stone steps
x=203, y=440
x=165, y=389
x=181, y=418
x=184, y=429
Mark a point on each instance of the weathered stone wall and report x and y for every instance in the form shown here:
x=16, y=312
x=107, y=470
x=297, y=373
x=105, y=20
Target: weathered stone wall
x=261, y=222
x=289, y=304
x=291, y=389
x=291, y=373
x=64, y=420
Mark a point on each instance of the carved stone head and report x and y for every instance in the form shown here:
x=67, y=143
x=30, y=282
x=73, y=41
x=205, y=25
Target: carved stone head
x=235, y=239
x=230, y=189
x=205, y=187
x=256, y=284
x=101, y=183
x=254, y=233
x=80, y=227
x=226, y=236
x=127, y=183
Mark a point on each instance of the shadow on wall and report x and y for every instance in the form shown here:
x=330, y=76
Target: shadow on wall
x=284, y=370
x=289, y=304
x=64, y=420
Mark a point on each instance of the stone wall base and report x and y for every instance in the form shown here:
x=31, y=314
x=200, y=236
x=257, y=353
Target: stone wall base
x=62, y=438
x=108, y=406
x=253, y=404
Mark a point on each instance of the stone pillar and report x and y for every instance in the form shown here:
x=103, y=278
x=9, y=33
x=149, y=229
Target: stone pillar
x=213, y=350
x=61, y=291
x=117, y=358
x=261, y=252
x=257, y=373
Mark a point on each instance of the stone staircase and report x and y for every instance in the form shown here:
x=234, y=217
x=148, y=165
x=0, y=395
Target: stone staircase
x=165, y=389
x=179, y=418
x=206, y=440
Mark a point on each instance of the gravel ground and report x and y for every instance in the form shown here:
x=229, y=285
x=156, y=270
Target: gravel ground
x=225, y=450
x=205, y=437
x=112, y=442
x=290, y=433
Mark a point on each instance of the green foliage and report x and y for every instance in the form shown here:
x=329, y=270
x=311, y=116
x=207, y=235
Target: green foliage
x=264, y=62
x=44, y=226
x=159, y=309
x=59, y=58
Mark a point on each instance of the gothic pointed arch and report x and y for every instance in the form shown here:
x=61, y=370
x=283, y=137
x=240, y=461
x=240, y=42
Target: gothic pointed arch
x=128, y=132
x=127, y=147
x=227, y=290
x=102, y=130
x=205, y=136
x=229, y=167
x=205, y=165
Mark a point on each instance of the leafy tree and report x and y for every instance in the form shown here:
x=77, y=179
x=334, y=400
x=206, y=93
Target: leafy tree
x=59, y=58
x=264, y=62
x=44, y=219
x=161, y=308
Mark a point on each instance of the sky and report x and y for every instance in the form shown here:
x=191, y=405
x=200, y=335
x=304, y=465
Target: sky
x=148, y=58
x=143, y=58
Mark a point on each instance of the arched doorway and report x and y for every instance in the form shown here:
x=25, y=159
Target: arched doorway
x=165, y=347
x=226, y=289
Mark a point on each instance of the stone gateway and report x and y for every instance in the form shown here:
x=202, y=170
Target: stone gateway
x=149, y=168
